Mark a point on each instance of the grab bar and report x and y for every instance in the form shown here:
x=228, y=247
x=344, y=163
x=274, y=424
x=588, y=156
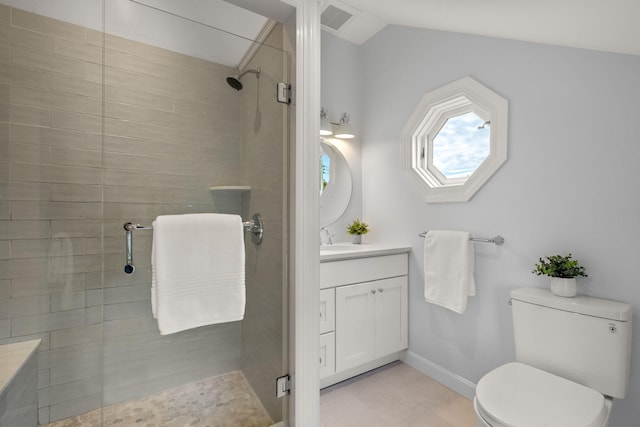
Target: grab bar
x=498, y=240
x=255, y=226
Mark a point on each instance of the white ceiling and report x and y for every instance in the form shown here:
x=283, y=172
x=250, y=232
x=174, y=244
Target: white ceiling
x=606, y=25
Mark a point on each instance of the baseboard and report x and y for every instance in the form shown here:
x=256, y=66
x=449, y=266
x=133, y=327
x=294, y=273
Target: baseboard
x=443, y=376
x=360, y=369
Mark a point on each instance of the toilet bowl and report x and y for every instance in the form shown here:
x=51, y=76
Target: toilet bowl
x=572, y=358
x=518, y=395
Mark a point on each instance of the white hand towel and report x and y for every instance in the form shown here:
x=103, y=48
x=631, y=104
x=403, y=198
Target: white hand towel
x=448, y=269
x=198, y=270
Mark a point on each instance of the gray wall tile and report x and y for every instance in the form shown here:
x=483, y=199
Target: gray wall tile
x=57, y=174
x=46, y=285
x=29, y=305
x=24, y=229
x=25, y=325
x=74, y=336
x=67, y=301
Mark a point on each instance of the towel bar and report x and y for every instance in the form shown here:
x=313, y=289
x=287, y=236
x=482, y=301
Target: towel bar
x=498, y=240
x=255, y=226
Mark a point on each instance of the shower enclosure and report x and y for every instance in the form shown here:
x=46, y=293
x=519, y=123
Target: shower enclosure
x=119, y=111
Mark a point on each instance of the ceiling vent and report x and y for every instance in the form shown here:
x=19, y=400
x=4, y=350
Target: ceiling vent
x=334, y=18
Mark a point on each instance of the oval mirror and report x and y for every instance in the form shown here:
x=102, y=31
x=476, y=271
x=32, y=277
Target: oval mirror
x=335, y=184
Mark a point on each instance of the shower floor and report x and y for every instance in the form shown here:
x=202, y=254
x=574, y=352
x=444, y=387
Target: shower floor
x=223, y=401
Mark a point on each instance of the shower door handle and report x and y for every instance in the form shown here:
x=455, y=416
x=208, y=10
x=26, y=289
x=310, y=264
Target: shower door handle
x=129, y=268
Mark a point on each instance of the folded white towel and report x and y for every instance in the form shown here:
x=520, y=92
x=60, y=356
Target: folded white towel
x=198, y=270
x=448, y=269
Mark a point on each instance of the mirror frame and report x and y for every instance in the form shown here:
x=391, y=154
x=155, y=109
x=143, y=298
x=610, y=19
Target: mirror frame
x=456, y=98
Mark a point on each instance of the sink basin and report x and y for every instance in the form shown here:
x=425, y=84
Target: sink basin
x=340, y=247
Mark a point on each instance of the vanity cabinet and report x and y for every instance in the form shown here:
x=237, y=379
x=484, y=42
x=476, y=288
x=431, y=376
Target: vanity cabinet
x=371, y=320
x=363, y=313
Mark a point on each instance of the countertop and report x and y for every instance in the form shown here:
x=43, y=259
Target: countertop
x=12, y=358
x=340, y=251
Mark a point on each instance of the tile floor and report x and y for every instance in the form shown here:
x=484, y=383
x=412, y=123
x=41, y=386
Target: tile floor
x=223, y=401
x=394, y=395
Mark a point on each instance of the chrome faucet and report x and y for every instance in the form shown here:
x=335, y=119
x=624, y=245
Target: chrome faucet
x=325, y=237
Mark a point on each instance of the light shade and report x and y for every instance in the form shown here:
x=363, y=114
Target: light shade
x=344, y=130
x=326, y=129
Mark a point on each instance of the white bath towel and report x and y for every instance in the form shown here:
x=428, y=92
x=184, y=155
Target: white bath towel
x=448, y=269
x=198, y=270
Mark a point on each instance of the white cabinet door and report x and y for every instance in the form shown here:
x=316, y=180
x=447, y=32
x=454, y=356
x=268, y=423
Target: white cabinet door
x=371, y=321
x=391, y=315
x=355, y=325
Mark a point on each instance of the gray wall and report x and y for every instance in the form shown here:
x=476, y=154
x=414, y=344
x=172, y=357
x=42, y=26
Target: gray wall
x=342, y=82
x=569, y=184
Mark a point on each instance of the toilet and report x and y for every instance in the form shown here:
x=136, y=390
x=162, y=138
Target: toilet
x=572, y=360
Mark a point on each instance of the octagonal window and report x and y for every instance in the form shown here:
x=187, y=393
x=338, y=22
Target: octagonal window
x=461, y=146
x=455, y=140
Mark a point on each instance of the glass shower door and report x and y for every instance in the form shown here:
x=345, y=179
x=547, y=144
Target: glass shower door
x=179, y=139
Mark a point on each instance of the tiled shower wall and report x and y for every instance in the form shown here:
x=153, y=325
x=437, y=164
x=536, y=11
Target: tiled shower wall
x=171, y=129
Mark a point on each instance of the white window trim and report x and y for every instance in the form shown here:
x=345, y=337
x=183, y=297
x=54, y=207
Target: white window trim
x=433, y=110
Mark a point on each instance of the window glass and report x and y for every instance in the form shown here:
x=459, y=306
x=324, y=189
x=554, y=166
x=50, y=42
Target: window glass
x=461, y=146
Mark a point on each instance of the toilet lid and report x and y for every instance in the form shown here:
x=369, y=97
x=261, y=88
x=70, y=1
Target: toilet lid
x=518, y=395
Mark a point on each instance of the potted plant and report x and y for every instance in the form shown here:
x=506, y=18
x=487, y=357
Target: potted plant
x=563, y=271
x=357, y=229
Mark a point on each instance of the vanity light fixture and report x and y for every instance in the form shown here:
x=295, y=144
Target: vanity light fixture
x=326, y=129
x=344, y=130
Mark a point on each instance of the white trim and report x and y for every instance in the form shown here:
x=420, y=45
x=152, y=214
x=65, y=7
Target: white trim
x=361, y=369
x=305, y=409
x=433, y=110
x=442, y=375
x=259, y=41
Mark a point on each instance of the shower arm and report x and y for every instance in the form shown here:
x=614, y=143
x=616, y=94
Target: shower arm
x=256, y=72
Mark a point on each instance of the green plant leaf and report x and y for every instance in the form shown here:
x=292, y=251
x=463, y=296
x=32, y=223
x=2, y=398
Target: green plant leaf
x=559, y=266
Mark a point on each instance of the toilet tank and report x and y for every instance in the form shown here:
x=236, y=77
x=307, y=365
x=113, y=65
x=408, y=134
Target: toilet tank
x=584, y=339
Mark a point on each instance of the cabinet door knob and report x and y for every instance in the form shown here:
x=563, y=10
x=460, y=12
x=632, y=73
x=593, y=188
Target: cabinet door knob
x=380, y=290
x=373, y=291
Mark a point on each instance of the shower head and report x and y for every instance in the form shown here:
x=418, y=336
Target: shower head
x=235, y=82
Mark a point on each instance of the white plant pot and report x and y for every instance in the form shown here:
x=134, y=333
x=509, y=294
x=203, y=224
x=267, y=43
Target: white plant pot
x=357, y=239
x=563, y=287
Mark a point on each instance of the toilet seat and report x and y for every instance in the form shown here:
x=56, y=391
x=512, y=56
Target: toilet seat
x=518, y=395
